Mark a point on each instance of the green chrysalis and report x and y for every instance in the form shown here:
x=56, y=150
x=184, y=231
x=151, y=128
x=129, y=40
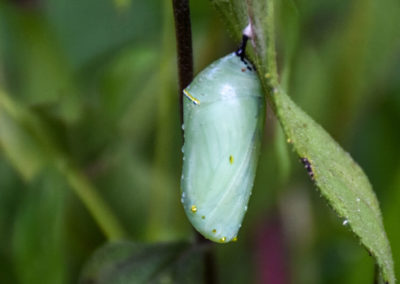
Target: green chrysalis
x=224, y=113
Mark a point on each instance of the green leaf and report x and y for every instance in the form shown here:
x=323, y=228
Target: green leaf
x=126, y=262
x=39, y=233
x=340, y=180
x=113, y=26
x=234, y=14
x=30, y=146
x=36, y=68
x=17, y=142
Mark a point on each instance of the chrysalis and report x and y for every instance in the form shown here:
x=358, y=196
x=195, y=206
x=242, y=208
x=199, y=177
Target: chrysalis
x=224, y=113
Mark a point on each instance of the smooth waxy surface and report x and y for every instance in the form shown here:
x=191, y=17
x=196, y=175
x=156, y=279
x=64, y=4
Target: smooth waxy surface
x=223, y=121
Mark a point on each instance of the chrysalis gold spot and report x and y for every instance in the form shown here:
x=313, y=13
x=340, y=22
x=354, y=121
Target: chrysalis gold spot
x=234, y=239
x=203, y=217
x=194, y=208
x=214, y=231
x=231, y=159
x=190, y=97
x=223, y=239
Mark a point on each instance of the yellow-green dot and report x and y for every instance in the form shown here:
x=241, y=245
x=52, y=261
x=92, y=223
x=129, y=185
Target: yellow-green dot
x=194, y=208
x=203, y=217
x=214, y=231
x=231, y=159
x=234, y=239
x=223, y=239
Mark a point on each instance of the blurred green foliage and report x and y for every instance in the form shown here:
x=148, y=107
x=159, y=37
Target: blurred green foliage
x=93, y=93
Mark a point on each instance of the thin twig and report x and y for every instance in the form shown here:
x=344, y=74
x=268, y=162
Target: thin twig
x=185, y=72
x=183, y=45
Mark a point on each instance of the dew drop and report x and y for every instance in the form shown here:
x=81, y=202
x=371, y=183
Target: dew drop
x=345, y=222
x=245, y=208
x=358, y=199
x=183, y=150
x=183, y=126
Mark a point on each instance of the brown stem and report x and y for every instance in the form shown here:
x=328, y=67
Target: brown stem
x=183, y=45
x=185, y=72
x=210, y=273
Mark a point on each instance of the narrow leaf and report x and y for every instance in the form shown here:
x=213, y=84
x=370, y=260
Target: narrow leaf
x=38, y=238
x=340, y=180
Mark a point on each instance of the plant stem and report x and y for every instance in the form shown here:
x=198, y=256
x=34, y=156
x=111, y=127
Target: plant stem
x=185, y=72
x=183, y=45
x=271, y=52
x=265, y=53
